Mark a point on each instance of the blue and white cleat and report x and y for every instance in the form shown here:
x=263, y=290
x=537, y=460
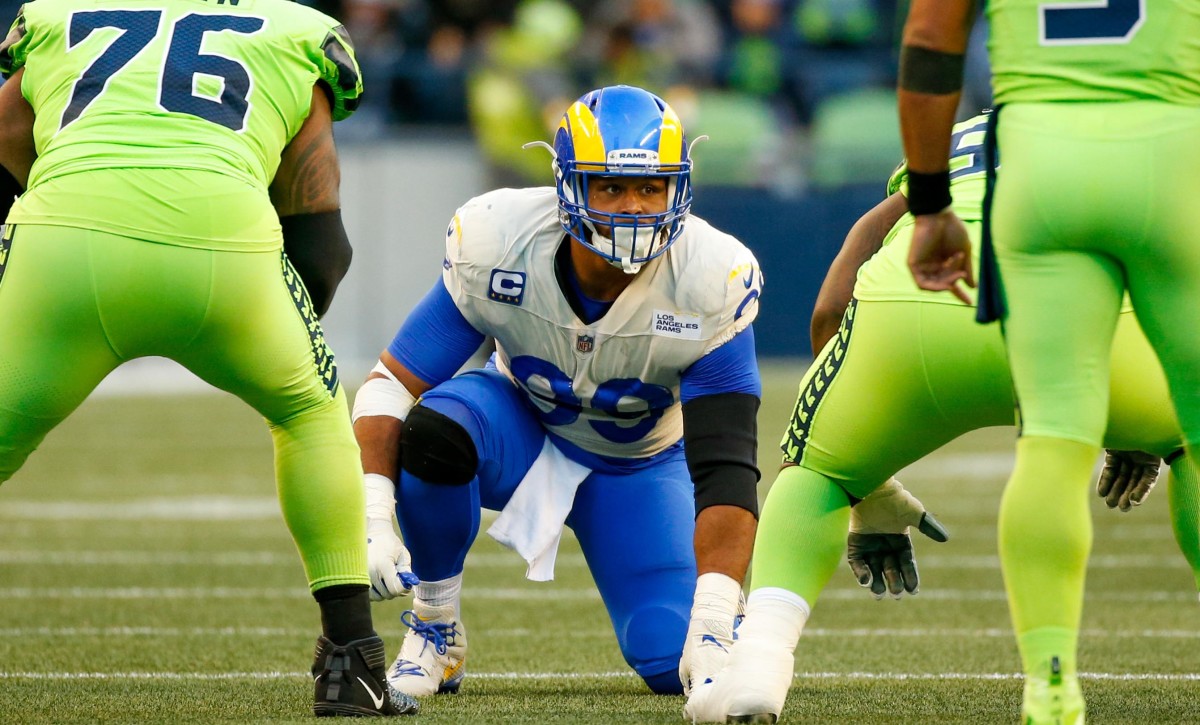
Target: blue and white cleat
x=433, y=657
x=750, y=688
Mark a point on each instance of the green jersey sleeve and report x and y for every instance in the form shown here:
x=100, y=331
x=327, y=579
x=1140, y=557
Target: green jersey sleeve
x=340, y=72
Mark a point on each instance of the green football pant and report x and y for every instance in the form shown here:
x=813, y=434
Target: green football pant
x=75, y=304
x=1096, y=199
x=900, y=380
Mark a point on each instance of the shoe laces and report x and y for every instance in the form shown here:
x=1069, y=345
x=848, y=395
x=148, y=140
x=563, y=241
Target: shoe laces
x=439, y=634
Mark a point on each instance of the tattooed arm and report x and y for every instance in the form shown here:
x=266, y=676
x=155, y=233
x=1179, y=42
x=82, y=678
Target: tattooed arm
x=308, y=176
x=305, y=194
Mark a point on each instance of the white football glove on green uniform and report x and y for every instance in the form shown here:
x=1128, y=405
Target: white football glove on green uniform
x=878, y=547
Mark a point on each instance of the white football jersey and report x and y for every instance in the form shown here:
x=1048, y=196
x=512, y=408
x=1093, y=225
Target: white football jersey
x=610, y=387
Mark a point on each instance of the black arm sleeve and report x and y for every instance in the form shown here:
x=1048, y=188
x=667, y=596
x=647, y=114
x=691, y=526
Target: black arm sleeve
x=10, y=189
x=924, y=70
x=317, y=247
x=720, y=440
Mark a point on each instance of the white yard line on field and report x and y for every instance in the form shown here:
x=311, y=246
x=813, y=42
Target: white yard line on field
x=484, y=560
x=158, y=508
x=894, y=676
x=226, y=558
x=522, y=632
x=550, y=593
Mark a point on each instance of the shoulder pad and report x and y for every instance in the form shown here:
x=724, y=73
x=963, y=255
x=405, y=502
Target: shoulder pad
x=482, y=233
x=13, y=47
x=720, y=277
x=898, y=178
x=489, y=226
x=477, y=234
x=339, y=69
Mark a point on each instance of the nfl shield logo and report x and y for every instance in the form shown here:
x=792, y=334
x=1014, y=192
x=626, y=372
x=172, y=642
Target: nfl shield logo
x=585, y=343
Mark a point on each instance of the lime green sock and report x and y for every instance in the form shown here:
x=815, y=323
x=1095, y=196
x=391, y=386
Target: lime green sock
x=801, y=533
x=1038, y=646
x=1045, y=537
x=319, y=479
x=1183, y=493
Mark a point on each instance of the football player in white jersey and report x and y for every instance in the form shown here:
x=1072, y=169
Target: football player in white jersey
x=620, y=401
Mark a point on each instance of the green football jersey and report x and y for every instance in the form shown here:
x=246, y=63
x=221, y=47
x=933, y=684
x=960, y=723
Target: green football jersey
x=886, y=276
x=1083, y=50
x=192, y=101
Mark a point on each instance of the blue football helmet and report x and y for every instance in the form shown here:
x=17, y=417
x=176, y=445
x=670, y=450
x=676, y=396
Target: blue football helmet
x=622, y=131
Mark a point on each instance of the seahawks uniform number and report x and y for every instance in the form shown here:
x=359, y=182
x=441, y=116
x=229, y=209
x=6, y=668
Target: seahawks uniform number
x=182, y=64
x=1114, y=21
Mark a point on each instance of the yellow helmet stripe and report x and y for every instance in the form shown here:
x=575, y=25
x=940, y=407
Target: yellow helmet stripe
x=580, y=122
x=670, y=141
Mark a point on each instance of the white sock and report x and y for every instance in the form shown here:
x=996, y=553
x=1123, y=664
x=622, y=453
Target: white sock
x=776, y=615
x=446, y=592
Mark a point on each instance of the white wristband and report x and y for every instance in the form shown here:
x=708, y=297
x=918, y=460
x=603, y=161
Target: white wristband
x=383, y=396
x=888, y=509
x=381, y=497
x=717, y=597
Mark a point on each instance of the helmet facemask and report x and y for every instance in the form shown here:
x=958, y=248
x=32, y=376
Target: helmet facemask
x=621, y=131
x=625, y=241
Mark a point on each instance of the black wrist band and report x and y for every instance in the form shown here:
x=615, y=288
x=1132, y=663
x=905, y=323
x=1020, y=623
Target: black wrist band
x=10, y=189
x=928, y=193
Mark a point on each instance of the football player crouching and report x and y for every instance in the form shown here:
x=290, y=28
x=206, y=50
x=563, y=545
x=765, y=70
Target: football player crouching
x=621, y=401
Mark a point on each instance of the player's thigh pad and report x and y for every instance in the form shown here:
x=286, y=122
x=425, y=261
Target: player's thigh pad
x=636, y=532
x=899, y=380
x=478, y=413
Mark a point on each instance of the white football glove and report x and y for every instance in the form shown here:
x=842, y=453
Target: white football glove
x=388, y=562
x=878, y=547
x=716, y=607
x=1127, y=478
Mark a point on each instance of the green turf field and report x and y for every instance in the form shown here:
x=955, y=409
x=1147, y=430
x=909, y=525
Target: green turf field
x=146, y=576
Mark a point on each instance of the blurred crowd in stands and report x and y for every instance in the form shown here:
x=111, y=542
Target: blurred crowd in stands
x=791, y=93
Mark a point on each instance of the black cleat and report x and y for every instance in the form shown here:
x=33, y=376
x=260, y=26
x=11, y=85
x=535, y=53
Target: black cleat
x=350, y=680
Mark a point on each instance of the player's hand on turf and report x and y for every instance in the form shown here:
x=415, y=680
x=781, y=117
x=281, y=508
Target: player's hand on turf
x=1127, y=478
x=715, y=610
x=705, y=704
x=878, y=547
x=940, y=255
x=388, y=562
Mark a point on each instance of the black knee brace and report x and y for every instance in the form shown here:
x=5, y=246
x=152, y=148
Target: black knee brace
x=436, y=449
